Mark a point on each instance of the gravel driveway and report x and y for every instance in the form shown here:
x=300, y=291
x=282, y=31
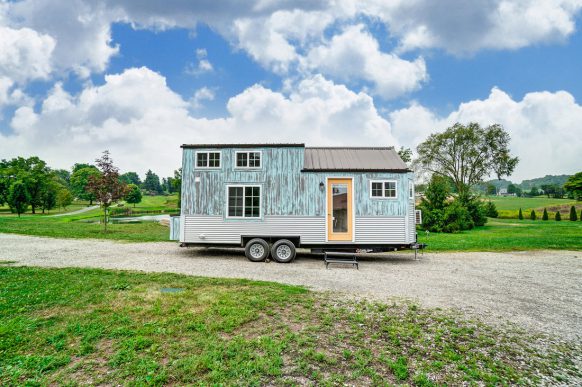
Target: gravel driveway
x=539, y=290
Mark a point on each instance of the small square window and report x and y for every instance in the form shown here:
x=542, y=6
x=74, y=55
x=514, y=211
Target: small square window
x=207, y=159
x=383, y=189
x=248, y=159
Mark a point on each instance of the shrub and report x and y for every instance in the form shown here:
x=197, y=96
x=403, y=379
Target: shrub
x=558, y=216
x=491, y=210
x=573, y=215
x=477, y=211
x=545, y=215
x=457, y=218
x=532, y=215
x=520, y=215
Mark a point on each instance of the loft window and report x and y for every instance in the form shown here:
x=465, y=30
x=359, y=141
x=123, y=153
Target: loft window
x=207, y=159
x=383, y=189
x=248, y=159
x=244, y=201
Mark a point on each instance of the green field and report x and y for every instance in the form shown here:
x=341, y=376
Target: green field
x=82, y=326
x=509, y=234
x=508, y=207
x=85, y=225
x=5, y=210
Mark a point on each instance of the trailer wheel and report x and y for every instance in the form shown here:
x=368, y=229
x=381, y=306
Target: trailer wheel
x=283, y=251
x=257, y=250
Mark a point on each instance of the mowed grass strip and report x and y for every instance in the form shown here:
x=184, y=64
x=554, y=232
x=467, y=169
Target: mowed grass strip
x=509, y=234
x=81, y=326
x=67, y=227
x=85, y=225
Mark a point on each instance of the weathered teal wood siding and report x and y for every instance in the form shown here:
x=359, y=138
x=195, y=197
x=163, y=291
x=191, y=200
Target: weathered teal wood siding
x=285, y=189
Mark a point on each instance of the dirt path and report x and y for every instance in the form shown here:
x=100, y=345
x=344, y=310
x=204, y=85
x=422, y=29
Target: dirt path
x=539, y=290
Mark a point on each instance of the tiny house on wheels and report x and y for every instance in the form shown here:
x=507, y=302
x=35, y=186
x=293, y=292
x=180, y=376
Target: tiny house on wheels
x=274, y=198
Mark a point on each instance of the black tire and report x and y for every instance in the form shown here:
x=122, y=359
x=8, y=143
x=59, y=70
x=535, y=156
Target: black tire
x=283, y=251
x=257, y=250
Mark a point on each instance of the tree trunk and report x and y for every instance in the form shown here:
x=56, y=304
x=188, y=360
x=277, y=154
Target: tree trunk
x=33, y=209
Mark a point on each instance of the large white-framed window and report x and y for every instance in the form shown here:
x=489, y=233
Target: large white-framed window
x=248, y=159
x=383, y=189
x=208, y=159
x=243, y=201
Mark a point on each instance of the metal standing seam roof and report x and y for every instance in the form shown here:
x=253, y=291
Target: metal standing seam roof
x=363, y=159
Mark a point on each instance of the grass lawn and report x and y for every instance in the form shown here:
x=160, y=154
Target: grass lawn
x=508, y=207
x=5, y=210
x=84, y=226
x=509, y=234
x=69, y=227
x=81, y=326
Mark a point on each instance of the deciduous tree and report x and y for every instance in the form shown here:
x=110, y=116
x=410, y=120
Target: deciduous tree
x=64, y=198
x=467, y=153
x=130, y=178
x=133, y=194
x=80, y=180
x=106, y=186
x=574, y=185
x=405, y=154
x=18, y=197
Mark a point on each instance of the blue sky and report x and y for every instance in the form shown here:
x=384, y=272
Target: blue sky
x=140, y=79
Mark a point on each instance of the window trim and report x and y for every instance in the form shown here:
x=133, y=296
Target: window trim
x=383, y=197
x=227, y=216
x=208, y=159
x=410, y=189
x=260, y=152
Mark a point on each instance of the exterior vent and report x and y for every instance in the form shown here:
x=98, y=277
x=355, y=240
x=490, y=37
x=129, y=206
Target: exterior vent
x=418, y=216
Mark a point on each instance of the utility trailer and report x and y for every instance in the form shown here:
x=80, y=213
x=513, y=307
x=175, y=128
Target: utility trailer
x=274, y=198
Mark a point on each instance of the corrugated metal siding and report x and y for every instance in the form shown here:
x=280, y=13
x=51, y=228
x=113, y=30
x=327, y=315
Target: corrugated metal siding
x=353, y=159
x=379, y=230
x=311, y=230
x=175, y=228
x=218, y=230
x=411, y=223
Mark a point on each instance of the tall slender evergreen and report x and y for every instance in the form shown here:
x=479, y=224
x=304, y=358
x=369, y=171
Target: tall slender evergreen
x=558, y=216
x=532, y=215
x=545, y=215
x=520, y=215
x=573, y=214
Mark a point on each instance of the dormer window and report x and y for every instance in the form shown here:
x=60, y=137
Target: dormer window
x=248, y=160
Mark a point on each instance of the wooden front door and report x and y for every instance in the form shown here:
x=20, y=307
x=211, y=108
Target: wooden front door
x=339, y=210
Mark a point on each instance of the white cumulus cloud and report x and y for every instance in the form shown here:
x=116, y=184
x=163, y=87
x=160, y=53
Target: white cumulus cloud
x=544, y=127
x=25, y=54
x=355, y=54
x=143, y=122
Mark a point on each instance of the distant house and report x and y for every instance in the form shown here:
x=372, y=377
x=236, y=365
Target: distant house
x=277, y=197
x=503, y=192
